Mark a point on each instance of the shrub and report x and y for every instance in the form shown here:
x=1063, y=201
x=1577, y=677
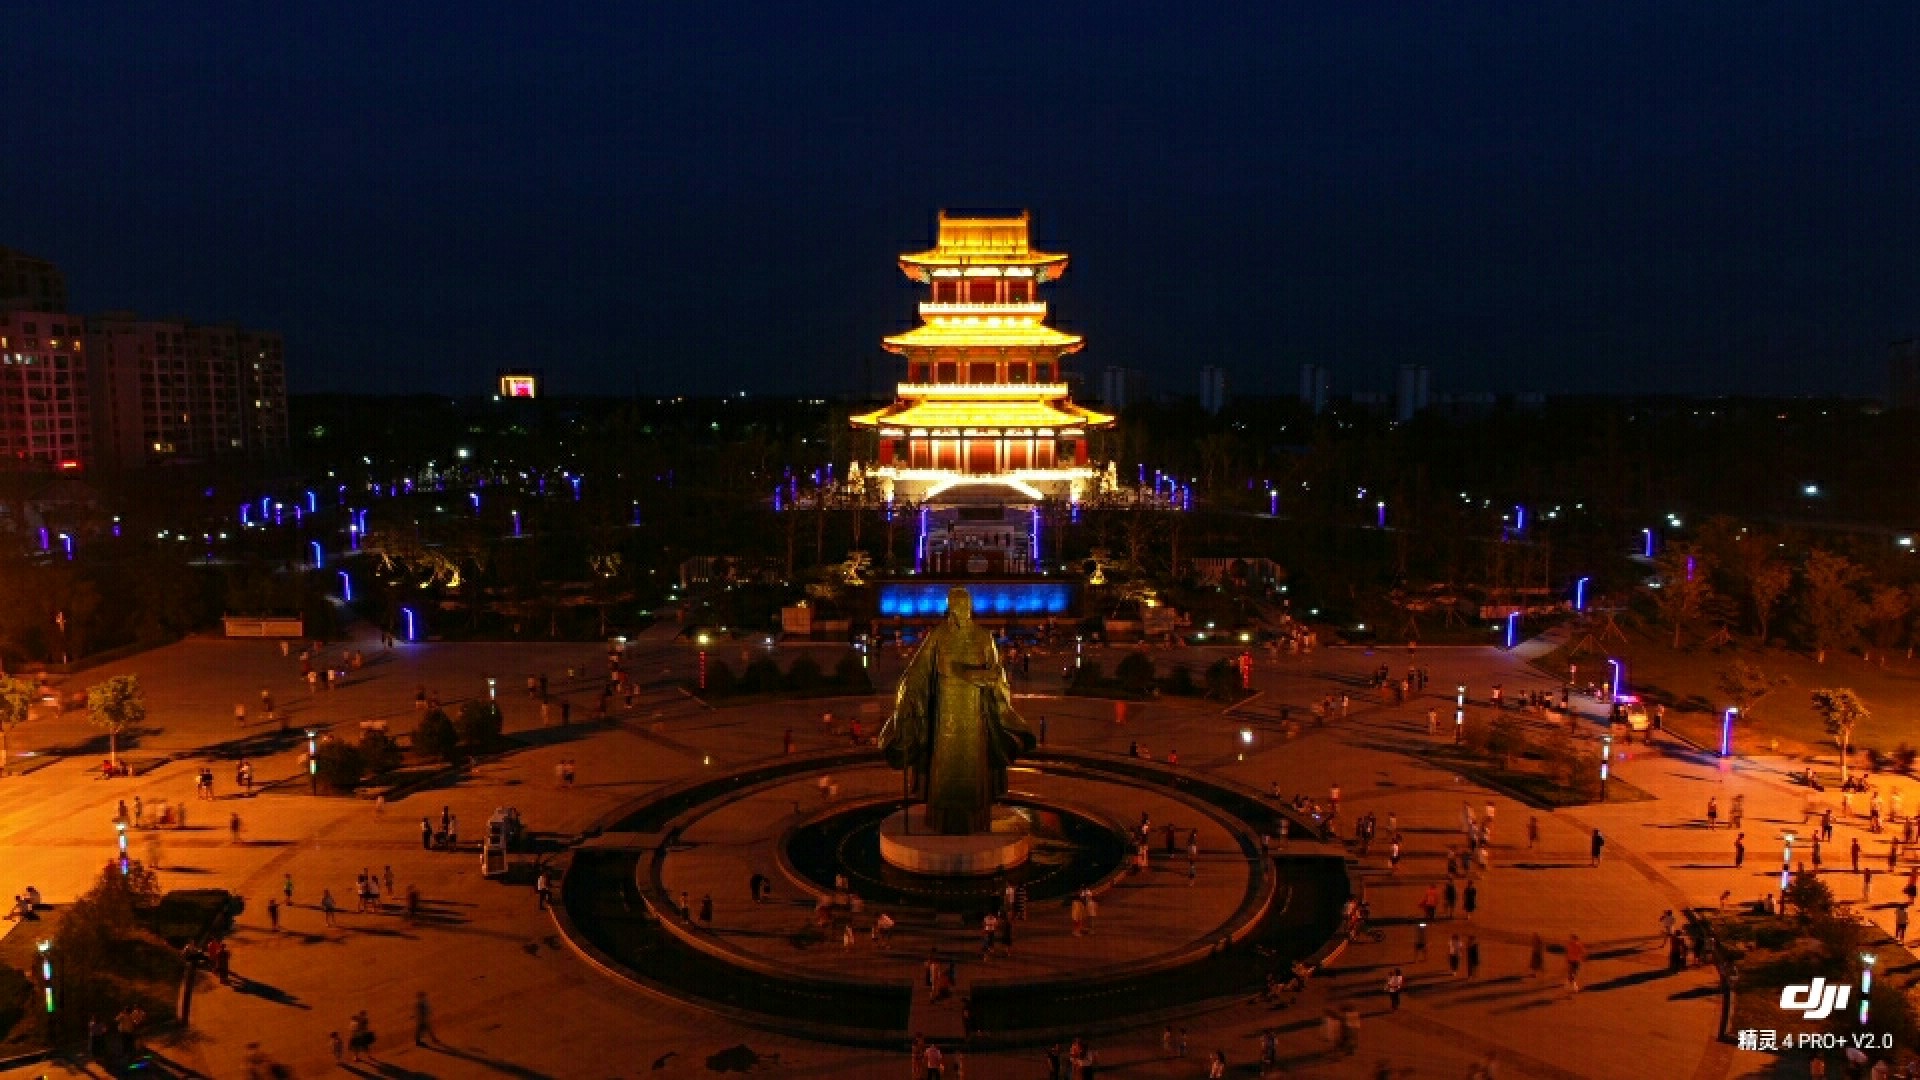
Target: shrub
x=480, y=723
x=1808, y=895
x=1180, y=681
x=851, y=674
x=804, y=673
x=338, y=764
x=16, y=992
x=1087, y=676
x=379, y=754
x=1223, y=680
x=720, y=680
x=1904, y=757
x=1135, y=672
x=1476, y=732
x=437, y=737
x=762, y=677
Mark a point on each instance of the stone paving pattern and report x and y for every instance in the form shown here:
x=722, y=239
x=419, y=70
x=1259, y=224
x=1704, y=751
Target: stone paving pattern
x=511, y=998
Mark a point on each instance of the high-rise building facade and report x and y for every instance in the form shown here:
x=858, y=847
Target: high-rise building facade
x=28, y=283
x=1411, y=395
x=43, y=391
x=169, y=391
x=1121, y=387
x=1213, y=389
x=1314, y=384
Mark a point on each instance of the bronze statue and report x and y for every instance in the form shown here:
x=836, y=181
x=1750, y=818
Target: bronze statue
x=953, y=728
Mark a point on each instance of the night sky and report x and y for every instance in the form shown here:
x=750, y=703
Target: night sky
x=706, y=197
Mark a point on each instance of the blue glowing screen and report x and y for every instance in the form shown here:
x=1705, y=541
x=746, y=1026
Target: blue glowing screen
x=1003, y=598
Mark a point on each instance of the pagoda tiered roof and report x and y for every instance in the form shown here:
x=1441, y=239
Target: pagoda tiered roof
x=982, y=415
x=975, y=332
x=990, y=245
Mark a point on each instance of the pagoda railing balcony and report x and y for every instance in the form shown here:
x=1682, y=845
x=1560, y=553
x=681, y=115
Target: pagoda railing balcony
x=1036, y=309
x=983, y=391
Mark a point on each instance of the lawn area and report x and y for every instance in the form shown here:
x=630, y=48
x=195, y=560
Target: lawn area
x=1782, y=721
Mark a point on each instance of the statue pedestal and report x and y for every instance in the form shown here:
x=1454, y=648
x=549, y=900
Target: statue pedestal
x=921, y=852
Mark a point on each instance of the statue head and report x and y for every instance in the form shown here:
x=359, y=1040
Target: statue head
x=959, y=605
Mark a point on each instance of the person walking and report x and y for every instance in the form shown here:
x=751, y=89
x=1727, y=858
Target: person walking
x=1453, y=954
x=1473, y=955
x=1396, y=982
x=1739, y=851
x=1533, y=832
x=1738, y=814
x=1536, y=958
x=1853, y=853
x=1449, y=897
x=327, y=905
x=1599, y=844
x=287, y=887
x=423, y=1020
x=543, y=891
x=273, y=914
x=1900, y=915
x=1470, y=900
x=1713, y=813
x=1576, y=956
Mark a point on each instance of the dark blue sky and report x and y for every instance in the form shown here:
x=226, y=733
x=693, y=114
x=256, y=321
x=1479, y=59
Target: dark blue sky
x=700, y=197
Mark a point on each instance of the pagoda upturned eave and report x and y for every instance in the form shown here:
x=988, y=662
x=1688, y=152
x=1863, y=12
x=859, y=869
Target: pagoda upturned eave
x=1027, y=335
x=1056, y=415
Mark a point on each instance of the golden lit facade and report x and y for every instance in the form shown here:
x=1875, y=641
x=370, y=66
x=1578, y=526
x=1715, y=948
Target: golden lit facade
x=984, y=412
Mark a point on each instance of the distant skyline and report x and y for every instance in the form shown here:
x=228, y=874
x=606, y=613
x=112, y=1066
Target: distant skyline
x=1642, y=198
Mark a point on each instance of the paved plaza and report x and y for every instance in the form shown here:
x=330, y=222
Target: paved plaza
x=511, y=997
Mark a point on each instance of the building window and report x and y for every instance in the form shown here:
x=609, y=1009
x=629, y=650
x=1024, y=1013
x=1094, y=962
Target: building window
x=948, y=372
x=980, y=373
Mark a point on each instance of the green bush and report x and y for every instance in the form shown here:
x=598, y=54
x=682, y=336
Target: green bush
x=480, y=724
x=804, y=673
x=379, y=753
x=1135, y=672
x=762, y=676
x=851, y=674
x=338, y=764
x=1223, y=680
x=1809, y=896
x=1180, y=681
x=437, y=737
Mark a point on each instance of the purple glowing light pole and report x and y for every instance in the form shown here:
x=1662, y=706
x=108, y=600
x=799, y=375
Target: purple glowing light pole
x=1380, y=515
x=46, y=543
x=266, y=501
x=353, y=538
x=1689, y=568
x=313, y=503
x=1513, y=628
x=776, y=500
x=66, y=541
x=116, y=528
x=1619, y=676
x=412, y=627
x=1273, y=503
x=317, y=561
x=516, y=523
x=1646, y=550
x=1036, y=537
x=920, y=546
x=1580, y=594
x=246, y=513
x=575, y=481
x=474, y=497
x=346, y=587
x=1726, y=730
x=1520, y=519
x=636, y=508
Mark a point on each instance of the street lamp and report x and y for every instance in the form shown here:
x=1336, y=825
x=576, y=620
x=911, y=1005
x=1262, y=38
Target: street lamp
x=1459, y=711
x=1647, y=546
x=1606, y=760
x=1380, y=515
x=46, y=972
x=1513, y=627
x=1866, y=982
x=1580, y=594
x=1786, y=866
x=1726, y=730
x=313, y=761
x=702, y=640
x=1619, y=670
x=120, y=828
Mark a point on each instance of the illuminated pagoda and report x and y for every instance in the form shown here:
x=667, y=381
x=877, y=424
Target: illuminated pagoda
x=983, y=429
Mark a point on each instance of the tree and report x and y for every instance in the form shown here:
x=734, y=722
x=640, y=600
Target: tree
x=437, y=736
x=480, y=725
x=1684, y=587
x=117, y=705
x=16, y=698
x=338, y=764
x=1828, y=602
x=1887, y=608
x=1223, y=680
x=1841, y=710
x=1744, y=684
x=1766, y=584
x=1135, y=672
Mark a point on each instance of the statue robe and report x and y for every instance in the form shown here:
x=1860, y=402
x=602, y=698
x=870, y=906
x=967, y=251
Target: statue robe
x=953, y=728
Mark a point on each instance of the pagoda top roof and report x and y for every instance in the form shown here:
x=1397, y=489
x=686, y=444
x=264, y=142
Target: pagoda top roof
x=967, y=239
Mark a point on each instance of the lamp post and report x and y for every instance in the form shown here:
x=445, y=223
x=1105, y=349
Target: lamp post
x=1786, y=865
x=120, y=830
x=1866, y=983
x=1246, y=740
x=1726, y=730
x=1580, y=594
x=1646, y=549
x=1619, y=669
x=46, y=973
x=702, y=640
x=1513, y=628
x=1459, y=712
x=1606, y=760
x=313, y=761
